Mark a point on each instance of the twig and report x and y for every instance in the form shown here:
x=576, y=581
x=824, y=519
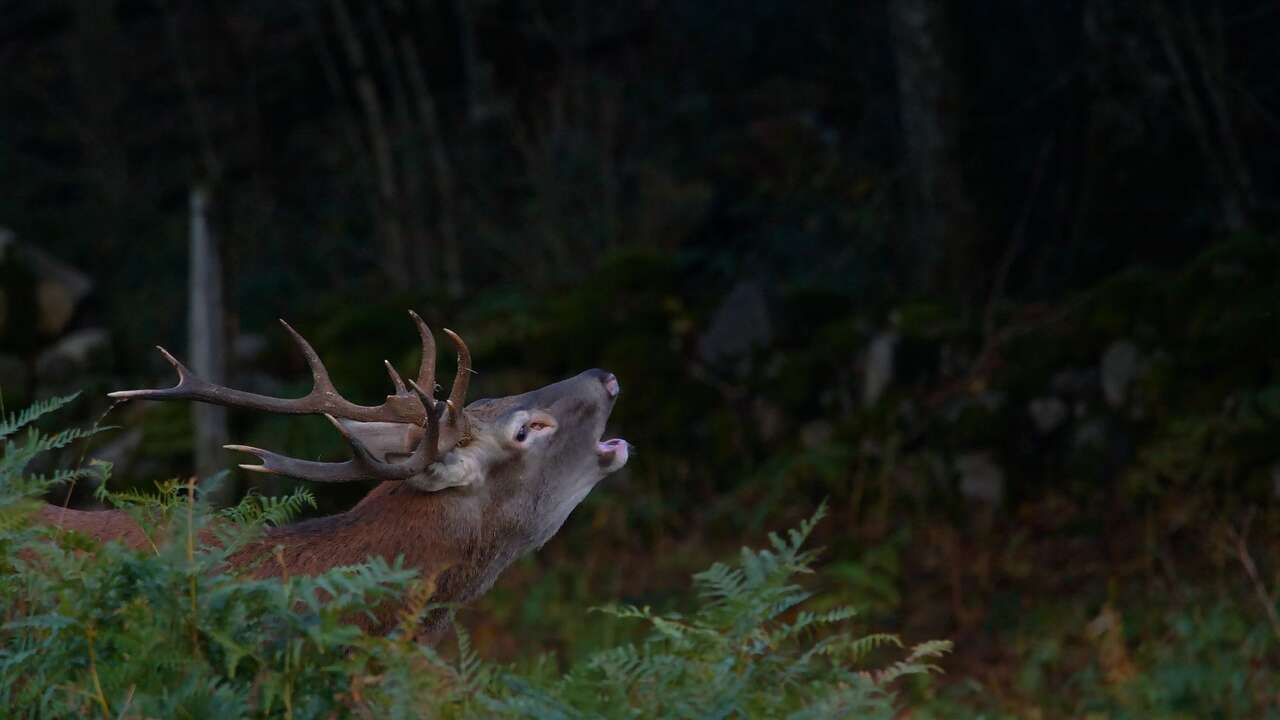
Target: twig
x=128, y=700
x=89, y=634
x=1233, y=204
x=1016, y=242
x=1251, y=569
x=191, y=555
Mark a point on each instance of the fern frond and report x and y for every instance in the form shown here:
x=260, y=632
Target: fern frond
x=416, y=602
x=719, y=583
x=929, y=649
x=17, y=421
x=254, y=509
x=166, y=495
x=863, y=646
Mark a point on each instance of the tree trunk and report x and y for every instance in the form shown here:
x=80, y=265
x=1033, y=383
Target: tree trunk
x=93, y=53
x=1210, y=117
x=473, y=76
x=441, y=167
x=941, y=216
x=207, y=349
x=395, y=254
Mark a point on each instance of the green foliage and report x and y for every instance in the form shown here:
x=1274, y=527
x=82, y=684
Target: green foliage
x=1197, y=656
x=172, y=631
x=16, y=486
x=747, y=651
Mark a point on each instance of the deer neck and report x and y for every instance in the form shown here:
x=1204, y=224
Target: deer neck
x=429, y=532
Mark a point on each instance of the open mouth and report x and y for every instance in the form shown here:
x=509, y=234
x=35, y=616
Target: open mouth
x=613, y=453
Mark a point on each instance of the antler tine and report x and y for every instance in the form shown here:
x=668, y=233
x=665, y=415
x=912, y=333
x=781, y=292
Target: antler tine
x=323, y=397
x=186, y=383
x=321, y=384
x=275, y=464
x=427, y=368
x=461, y=380
x=431, y=439
x=396, y=379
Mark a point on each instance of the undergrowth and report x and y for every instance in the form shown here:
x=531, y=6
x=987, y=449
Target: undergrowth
x=90, y=629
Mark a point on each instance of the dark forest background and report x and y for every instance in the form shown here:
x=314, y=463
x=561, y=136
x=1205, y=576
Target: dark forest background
x=999, y=280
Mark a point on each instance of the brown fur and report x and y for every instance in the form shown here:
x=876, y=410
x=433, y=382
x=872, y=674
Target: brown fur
x=102, y=526
x=392, y=521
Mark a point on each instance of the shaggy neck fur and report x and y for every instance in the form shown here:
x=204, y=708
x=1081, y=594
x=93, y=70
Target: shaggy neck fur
x=442, y=535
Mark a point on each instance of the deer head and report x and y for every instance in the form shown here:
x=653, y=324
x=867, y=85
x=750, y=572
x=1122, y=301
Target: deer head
x=466, y=488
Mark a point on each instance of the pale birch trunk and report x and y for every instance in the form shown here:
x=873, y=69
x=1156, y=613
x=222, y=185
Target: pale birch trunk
x=206, y=348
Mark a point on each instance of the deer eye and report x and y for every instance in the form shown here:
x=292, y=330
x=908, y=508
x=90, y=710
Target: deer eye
x=536, y=425
x=522, y=434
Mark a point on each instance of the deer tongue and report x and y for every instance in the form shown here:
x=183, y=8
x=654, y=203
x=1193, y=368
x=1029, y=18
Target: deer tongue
x=613, y=453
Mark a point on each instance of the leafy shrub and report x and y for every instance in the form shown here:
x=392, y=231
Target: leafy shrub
x=170, y=631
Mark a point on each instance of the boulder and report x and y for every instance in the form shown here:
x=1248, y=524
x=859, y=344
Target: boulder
x=981, y=478
x=1073, y=382
x=1047, y=413
x=739, y=325
x=878, y=372
x=1119, y=368
x=59, y=287
x=73, y=354
x=816, y=434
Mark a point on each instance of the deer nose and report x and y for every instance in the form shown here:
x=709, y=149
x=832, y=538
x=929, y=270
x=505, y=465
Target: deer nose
x=610, y=382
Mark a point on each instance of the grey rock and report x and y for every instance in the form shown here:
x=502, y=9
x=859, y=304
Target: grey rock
x=739, y=324
x=991, y=400
x=980, y=477
x=816, y=434
x=1047, y=413
x=59, y=286
x=72, y=354
x=878, y=373
x=1119, y=368
x=769, y=419
x=1073, y=381
x=1090, y=435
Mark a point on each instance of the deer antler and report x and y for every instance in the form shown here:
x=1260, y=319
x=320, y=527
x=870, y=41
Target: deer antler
x=364, y=466
x=417, y=407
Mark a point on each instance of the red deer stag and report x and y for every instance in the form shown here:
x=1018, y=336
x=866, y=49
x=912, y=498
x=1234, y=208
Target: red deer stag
x=465, y=491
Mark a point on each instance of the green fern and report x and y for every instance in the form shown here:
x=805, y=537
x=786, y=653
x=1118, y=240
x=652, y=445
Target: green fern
x=16, y=421
x=746, y=651
x=254, y=508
